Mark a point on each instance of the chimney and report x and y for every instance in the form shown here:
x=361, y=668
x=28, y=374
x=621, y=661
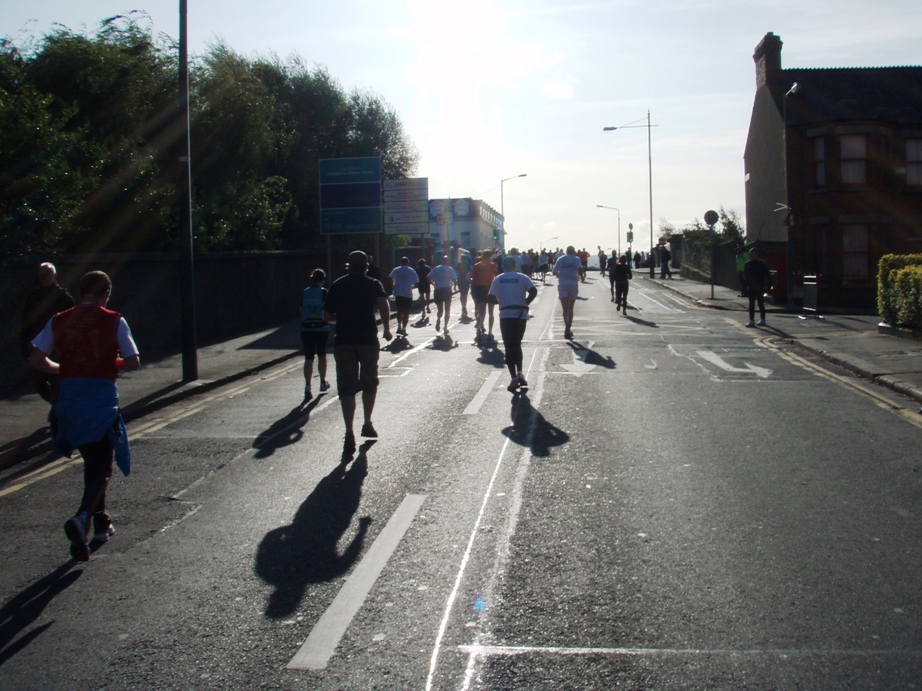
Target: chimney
x=768, y=60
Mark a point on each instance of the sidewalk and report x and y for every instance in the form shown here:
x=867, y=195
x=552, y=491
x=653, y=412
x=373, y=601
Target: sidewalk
x=852, y=341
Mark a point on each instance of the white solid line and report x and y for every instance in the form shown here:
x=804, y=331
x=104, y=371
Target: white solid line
x=329, y=629
x=509, y=650
x=474, y=406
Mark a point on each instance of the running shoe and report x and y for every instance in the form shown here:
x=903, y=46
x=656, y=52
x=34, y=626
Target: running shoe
x=513, y=385
x=761, y=322
x=521, y=378
x=324, y=385
x=104, y=535
x=307, y=393
x=349, y=444
x=75, y=529
x=369, y=431
x=750, y=324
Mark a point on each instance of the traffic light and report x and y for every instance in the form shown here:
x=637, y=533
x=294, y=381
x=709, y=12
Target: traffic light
x=630, y=237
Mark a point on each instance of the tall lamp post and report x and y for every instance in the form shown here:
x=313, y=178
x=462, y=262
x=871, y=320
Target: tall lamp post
x=602, y=206
x=788, y=221
x=502, y=206
x=631, y=125
x=184, y=185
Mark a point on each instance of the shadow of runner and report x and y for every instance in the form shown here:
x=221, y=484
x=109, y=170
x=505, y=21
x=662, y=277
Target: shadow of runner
x=292, y=556
x=530, y=428
x=17, y=614
x=285, y=431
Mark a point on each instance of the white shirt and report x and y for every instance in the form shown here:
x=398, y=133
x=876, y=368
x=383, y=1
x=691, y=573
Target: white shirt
x=567, y=268
x=442, y=276
x=511, y=290
x=404, y=277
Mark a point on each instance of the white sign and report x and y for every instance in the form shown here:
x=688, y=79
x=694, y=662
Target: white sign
x=406, y=195
x=412, y=217
x=408, y=184
x=406, y=228
x=406, y=207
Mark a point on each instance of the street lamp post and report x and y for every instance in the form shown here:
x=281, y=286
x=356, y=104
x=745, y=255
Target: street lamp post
x=502, y=206
x=631, y=125
x=602, y=206
x=541, y=244
x=789, y=243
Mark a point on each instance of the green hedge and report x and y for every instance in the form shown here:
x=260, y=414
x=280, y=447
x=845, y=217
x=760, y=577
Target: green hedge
x=899, y=289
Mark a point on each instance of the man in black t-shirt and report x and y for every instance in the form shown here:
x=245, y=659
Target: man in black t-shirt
x=351, y=305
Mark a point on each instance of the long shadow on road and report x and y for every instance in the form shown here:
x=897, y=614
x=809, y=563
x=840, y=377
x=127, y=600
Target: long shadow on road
x=21, y=611
x=292, y=556
x=530, y=428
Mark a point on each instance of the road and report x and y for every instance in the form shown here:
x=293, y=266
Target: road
x=677, y=502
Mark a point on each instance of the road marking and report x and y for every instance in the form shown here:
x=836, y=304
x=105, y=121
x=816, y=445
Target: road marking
x=878, y=399
x=715, y=359
x=510, y=650
x=474, y=406
x=329, y=629
x=579, y=366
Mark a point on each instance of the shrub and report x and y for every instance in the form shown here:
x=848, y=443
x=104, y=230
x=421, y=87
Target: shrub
x=898, y=285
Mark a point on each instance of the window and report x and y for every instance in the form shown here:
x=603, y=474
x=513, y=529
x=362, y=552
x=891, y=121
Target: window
x=819, y=161
x=854, y=154
x=914, y=161
x=855, y=253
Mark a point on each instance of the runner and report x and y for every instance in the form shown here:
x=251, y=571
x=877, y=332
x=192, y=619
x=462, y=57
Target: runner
x=422, y=272
x=464, y=283
x=567, y=269
x=620, y=277
x=404, y=278
x=482, y=275
x=441, y=277
x=513, y=292
x=314, y=332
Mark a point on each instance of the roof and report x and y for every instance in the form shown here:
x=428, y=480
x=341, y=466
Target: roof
x=887, y=94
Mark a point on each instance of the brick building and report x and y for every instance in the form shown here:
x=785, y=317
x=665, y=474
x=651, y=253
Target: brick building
x=833, y=168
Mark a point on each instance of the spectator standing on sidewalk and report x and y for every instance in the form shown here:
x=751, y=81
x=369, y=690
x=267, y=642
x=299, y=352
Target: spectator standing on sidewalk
x=314, y=332
x=42, y=304
x=513, y=292
x=758, y=280
x=742, y=256
x=92, y=344
x=404, y=278
x=568, y=270
x=351, y=304
x=442, y=278
x=665, y=256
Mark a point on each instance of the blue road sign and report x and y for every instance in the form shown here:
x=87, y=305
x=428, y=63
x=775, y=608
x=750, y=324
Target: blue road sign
x=350, y=195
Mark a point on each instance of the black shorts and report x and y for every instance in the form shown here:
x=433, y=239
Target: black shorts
x=480, y=294
x=442, y=295
x=314, y=342
x=403, y=303
x=356, y=368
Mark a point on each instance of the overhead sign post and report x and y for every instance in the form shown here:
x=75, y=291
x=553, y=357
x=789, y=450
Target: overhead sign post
x=350, y=195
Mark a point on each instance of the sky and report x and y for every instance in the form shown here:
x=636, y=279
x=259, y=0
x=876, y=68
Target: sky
x=492, y=89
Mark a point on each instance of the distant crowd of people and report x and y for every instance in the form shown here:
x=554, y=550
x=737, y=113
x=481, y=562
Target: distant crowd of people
x=78, y=347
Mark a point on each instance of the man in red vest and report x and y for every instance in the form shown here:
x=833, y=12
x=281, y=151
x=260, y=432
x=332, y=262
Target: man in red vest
x=92, y=343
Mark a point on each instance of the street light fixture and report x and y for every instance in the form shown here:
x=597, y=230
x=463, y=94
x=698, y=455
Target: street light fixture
x=602, y=206
x=541, y=243
x=631, y=125
x=502, y=206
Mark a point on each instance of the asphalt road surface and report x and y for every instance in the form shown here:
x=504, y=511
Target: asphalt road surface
x=676, y=502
